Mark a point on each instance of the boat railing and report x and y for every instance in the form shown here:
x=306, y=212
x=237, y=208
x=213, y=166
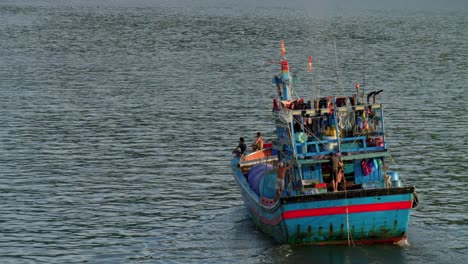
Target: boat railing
x=362, y=138
x=362, y=143
x=314, y=148
x=326, y=146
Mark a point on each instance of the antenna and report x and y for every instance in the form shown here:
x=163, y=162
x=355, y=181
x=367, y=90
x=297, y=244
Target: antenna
x=336, y=64
x=313, y=89
x=309, y=69
x=365, y=68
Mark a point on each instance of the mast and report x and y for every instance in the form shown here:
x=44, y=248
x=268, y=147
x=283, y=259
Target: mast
x=336, y=64
x=285, y=73
x=286, y=79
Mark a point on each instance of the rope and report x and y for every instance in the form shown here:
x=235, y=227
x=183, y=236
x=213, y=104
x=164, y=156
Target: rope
x=342, y=119
x=394, y=162
x=388, y=181
x=309, y=132
x=361, y=133
x=350, y=237
x=294, y=155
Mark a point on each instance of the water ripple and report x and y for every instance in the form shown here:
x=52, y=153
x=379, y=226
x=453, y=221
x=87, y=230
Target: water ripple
x=118, y=120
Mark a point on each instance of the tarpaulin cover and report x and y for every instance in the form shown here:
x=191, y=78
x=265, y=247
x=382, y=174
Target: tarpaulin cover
x=255, y=175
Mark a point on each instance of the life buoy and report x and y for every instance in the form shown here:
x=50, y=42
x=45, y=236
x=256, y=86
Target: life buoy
x=301, y=137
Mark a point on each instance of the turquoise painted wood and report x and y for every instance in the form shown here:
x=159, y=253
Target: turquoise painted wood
x=372, y=206
x=331, y=226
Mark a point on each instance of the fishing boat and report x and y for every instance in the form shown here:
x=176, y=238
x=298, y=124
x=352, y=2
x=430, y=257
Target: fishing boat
x=370, y=205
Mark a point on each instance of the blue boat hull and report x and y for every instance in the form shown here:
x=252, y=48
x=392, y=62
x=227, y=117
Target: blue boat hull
x=356, y=216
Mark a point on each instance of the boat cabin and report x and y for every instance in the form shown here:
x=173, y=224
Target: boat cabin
x=310, y=132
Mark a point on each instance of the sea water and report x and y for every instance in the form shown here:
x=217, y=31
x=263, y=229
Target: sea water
x=118, y=119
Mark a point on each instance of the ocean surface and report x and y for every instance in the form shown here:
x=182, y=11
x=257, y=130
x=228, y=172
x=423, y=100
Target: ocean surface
x=118, y=118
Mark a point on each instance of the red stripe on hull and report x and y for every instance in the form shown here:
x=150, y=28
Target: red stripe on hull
x=352, y=209
x=276, y=220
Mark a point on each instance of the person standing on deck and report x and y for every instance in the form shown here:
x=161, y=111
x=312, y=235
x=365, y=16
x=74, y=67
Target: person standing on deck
x=240, y=150
x=336, y=165
x=279, y=184
x=258, y=143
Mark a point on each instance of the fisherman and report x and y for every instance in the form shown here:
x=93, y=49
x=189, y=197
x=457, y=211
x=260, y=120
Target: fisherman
x=336, y=170
x=258, y=143
x=279, y=184
x=240, y=150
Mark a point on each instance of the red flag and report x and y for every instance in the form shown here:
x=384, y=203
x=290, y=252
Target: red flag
x=310, y=63
x=283, y=50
